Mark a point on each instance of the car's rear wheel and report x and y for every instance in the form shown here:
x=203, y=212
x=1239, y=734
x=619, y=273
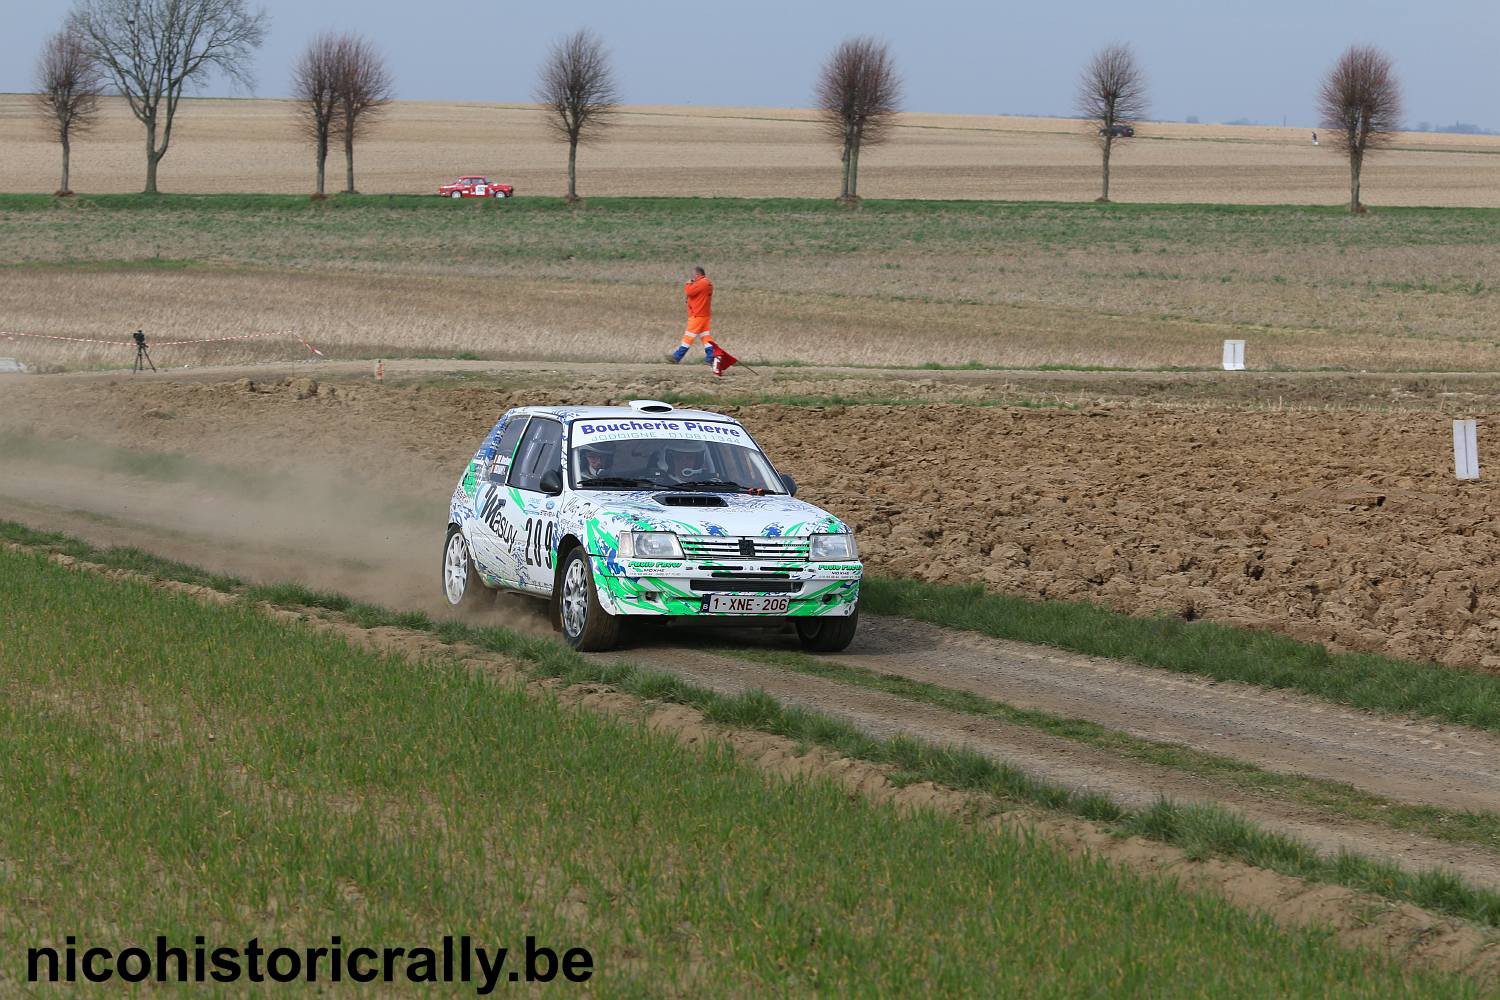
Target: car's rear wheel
x=827, y=635
x=586, y=626
x=461, y=584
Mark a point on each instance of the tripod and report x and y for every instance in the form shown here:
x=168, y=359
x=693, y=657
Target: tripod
x=142, y=356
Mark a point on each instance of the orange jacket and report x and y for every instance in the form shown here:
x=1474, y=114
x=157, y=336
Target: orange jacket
x=700, y=294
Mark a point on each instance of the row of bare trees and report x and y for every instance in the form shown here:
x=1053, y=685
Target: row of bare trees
x=340, y=85
x=1359, y=105
x=149, y=51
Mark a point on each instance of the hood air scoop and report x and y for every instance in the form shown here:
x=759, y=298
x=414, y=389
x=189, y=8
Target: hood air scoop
x=691, y=500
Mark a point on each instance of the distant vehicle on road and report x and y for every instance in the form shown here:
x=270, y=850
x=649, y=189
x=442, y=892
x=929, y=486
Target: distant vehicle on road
x=476, y=187
x=1118, y=131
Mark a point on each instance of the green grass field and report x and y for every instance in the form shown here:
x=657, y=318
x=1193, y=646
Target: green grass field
x=187, y=770
x=390, y=228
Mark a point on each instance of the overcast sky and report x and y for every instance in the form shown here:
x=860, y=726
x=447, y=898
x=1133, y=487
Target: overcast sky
x=1219, y=61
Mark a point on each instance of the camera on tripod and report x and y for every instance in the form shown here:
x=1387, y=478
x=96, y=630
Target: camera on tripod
x=142, y=356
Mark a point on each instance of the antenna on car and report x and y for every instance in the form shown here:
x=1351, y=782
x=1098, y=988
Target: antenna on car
x=650, y=406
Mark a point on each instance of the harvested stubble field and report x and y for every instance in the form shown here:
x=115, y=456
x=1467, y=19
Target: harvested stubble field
x=906, y=283
x=251, y=145
x=1343, y=526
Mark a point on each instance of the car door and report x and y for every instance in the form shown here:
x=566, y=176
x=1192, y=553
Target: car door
x=534, y=500
x=491, y=538
x=481, y=188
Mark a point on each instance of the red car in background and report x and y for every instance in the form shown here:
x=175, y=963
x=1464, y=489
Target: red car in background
x=476, y=187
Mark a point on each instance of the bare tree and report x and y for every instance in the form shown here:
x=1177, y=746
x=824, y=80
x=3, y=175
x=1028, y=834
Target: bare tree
x=68, y=82
x=362, y=87
x=1359, y=105
x=154, y=49
x=316, y=94
x=577, y=89
x=857, y=96
x=1112, y=99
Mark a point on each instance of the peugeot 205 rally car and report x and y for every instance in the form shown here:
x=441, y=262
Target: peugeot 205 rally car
x=475, y=187
x=646, y=510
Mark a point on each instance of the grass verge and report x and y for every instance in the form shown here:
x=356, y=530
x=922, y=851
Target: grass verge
x=191, y=769
x=1201, y=830
x=843, y=399
x=1223, y=652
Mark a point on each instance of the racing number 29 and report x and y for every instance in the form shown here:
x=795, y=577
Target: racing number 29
x=541, y=537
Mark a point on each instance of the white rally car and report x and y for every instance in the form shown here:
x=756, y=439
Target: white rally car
x=614, y=511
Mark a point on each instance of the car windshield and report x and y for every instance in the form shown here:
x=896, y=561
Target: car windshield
x=668, y=454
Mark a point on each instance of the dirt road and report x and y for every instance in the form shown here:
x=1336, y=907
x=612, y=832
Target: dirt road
x=1143, y=492
x=343, y=486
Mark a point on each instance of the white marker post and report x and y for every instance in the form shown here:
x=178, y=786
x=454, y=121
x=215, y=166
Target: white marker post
x=1234, y=355
x=1465, y=449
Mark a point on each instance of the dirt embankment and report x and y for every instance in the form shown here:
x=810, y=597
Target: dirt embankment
x=1346, y=528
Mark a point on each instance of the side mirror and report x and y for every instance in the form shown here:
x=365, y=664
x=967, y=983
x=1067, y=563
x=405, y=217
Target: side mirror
x=494, y=478
x=551, y=483
x=789, y=484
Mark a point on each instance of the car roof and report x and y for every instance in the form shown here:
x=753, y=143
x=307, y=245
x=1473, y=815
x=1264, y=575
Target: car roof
x=568, y=414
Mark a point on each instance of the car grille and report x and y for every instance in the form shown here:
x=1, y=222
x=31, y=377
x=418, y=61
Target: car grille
x=745, y=585
x=729, y=547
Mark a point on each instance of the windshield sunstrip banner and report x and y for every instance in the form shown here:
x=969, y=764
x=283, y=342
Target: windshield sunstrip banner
x=629, y=429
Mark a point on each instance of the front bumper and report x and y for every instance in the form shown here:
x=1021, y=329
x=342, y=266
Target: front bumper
x=682, y=587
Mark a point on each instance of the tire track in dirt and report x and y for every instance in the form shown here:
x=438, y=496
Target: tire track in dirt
x=1400, y=758
x=1058, y=760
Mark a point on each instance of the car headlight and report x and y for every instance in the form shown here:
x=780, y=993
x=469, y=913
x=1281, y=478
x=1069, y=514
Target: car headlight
x=649, y=545
x=825, y=547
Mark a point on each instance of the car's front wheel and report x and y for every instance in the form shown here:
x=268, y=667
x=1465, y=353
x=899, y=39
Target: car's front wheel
x=456, y=194
x=586, y=626
x=461, y=584
x=827, y=634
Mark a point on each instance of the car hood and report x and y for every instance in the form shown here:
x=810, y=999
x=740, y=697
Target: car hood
x=700, y=513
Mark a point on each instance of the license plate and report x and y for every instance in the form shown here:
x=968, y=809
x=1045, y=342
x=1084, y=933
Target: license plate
x=728, y=604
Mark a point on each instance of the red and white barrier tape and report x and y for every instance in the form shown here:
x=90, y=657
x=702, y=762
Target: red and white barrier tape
x=163, y=343
x=71, y=340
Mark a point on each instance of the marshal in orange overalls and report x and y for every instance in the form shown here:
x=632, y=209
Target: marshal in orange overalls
x=700, y=296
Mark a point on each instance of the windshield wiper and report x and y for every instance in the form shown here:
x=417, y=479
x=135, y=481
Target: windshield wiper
x=619, y=481
x=718, y=485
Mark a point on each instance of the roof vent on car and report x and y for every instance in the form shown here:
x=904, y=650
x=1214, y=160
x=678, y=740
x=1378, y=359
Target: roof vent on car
x=650, y=406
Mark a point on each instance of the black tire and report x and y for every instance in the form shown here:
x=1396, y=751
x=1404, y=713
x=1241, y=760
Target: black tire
x=586, y=626
x=462, y=587
x=827, y=635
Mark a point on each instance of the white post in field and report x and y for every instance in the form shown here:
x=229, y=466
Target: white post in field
x=1234, y=355
x=1465, y=449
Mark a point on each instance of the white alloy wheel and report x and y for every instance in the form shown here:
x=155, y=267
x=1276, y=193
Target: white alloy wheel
x=456, y=194
x=456, y=569
x=575, y=599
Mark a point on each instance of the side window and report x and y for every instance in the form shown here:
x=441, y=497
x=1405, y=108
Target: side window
x=505, y=448
x=541, y=449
